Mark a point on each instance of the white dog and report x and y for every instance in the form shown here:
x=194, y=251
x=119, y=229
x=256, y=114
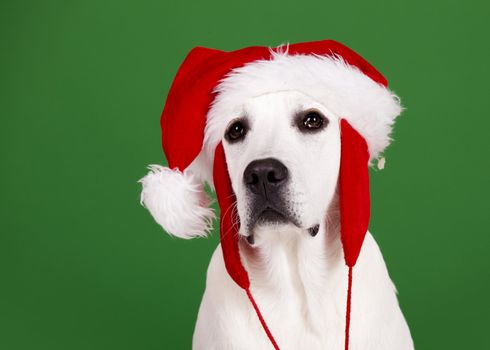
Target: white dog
x=283, y=153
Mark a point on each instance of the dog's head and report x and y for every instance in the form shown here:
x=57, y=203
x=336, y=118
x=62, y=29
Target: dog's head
x=283, y=153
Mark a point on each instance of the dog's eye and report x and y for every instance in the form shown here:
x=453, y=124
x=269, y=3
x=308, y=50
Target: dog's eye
x=236, y=131
x=311, y=121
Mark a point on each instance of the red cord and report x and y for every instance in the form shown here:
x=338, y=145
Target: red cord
x=347, y=312
x=262, y=321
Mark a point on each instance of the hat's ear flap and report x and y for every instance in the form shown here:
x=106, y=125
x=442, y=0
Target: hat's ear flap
x=177, y=201
x=229, y=232
x=353, y=191
x=229, y=221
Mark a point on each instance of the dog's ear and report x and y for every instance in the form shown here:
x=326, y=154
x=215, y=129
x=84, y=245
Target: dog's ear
x=353, y=191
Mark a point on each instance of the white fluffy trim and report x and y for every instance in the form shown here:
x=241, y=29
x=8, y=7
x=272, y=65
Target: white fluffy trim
x=177, y=201
x=369, y=107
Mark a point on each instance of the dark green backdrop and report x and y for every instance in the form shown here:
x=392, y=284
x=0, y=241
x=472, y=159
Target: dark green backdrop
x=83, y=266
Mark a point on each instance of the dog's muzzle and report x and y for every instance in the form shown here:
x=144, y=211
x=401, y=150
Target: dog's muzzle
x=266, y=181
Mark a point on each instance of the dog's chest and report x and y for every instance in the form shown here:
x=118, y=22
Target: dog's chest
x=301, y=298
x=303, y=321
x=303, y=303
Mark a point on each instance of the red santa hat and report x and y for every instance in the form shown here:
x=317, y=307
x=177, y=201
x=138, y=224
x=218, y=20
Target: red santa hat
x=192, y=126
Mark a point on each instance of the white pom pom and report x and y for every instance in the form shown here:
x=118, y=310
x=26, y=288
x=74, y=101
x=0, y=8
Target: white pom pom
x=177, y=201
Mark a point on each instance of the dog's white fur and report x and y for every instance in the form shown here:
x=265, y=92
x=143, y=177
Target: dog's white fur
x=298, y=281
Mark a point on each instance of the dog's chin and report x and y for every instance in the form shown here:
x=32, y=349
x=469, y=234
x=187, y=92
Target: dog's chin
x=271, y=217
x=270, y=222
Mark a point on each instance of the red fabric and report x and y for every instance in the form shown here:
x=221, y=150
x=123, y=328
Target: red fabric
x=184, y=115
x=228, y=228
x=353, y=191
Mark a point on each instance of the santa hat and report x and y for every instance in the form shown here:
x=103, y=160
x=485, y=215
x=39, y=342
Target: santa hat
x=192, y=128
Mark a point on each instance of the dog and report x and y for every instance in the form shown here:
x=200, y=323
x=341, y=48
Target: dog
x=283, y=154
x=285, y=177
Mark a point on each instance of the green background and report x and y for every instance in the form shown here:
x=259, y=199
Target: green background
x=83, y=265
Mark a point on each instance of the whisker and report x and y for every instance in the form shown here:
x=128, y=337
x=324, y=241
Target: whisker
x=234, y=218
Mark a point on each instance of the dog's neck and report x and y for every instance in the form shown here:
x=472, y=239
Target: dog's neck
x=291, y=263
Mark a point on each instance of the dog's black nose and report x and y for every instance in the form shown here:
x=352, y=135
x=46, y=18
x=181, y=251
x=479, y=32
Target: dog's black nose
x=265, y=176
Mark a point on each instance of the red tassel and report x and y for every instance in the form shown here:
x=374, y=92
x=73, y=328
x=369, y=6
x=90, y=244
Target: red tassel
x=347, y=311
x=262, y=321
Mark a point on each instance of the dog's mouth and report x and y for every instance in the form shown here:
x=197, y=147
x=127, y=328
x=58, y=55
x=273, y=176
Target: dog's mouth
x=267, y=215
x=270, y=215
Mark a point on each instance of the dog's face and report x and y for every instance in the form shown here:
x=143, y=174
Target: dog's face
x=283, y=157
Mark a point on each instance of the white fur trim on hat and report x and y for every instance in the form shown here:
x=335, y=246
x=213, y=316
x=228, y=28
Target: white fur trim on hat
x=369, y=107
x=177, y=201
